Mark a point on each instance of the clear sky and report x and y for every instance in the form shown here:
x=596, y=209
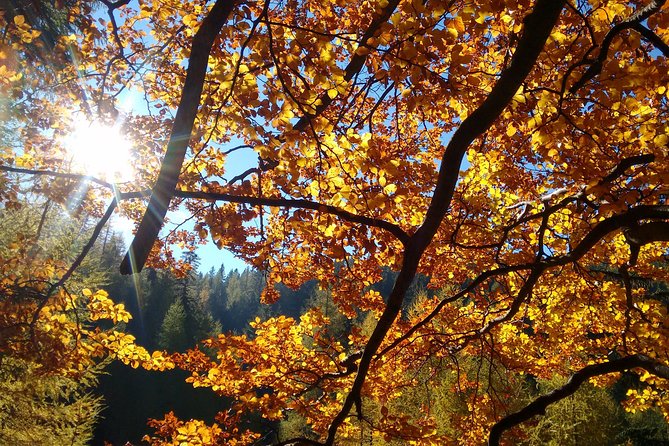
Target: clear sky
x=210, y=255
x=237, y=162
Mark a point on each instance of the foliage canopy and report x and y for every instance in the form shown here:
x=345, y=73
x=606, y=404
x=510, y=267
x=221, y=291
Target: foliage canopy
x=514, y=152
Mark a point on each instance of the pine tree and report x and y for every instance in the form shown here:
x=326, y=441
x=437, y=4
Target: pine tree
x=172, y=335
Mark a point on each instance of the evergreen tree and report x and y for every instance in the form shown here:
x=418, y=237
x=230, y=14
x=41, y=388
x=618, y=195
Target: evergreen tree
x=45, y=410
x=133, y=395
x=218, y=297
x=242, y=293
x=172, y=335
x=158, y=291
x=38, y=406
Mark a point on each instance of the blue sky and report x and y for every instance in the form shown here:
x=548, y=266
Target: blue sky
x=210, y=255
x=237, y=162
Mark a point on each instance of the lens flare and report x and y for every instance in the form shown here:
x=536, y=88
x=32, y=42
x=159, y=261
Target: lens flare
x=101, y=151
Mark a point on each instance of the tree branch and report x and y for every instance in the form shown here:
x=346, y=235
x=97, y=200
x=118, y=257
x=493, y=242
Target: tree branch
x=539, y=405
x=538, y=26
x=354, y=66
x=653, y=38
x=656, y=231
x=625, y=164
x=169, y=173
x=149, y=227
x=642, y=234
x=50, y=173
x=299, y=441
x=77, y=262
x=628, y=219
x=595, y=67
x=288, y=203
x=299, y=204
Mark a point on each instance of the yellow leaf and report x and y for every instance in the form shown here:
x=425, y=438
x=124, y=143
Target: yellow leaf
x=390, y=189
x=481, y=18
x=459, y=25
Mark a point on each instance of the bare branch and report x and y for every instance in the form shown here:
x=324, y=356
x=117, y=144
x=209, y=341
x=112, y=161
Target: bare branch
x=539, y=405
x=87, y=247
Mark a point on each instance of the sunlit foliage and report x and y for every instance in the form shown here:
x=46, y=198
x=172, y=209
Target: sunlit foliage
x=513, y=152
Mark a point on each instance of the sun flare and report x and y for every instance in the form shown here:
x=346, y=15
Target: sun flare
x=101, y=151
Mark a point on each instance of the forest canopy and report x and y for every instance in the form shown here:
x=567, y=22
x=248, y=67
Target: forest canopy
x=512, y=154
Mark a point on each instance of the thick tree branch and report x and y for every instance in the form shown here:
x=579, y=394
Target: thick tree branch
x=538, y=26
x=638, y=235
x=653, y=38
x=287, y=203
x=539, y=405
x=182, y=128
x=300, y=204
x=625, y=164
x=628, y=219
x=656, y=231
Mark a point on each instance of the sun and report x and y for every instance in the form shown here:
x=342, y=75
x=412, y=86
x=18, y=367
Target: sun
x=101, y=151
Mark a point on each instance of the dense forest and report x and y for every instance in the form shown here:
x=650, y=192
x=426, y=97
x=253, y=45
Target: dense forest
x=174, y=314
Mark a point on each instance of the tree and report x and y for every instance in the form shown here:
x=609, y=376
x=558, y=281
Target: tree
x=54, y=338
x=172, y=335
x=45, y=410
x=505, y=150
